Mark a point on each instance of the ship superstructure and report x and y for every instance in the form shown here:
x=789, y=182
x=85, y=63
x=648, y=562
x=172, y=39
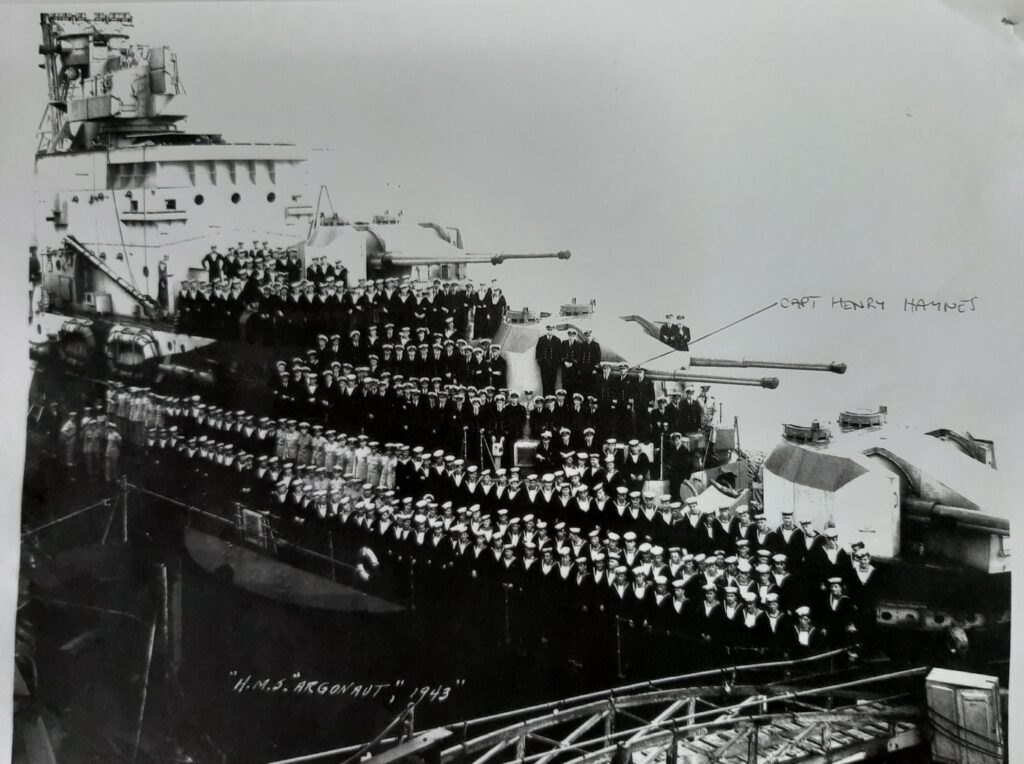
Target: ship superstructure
x=144, y=197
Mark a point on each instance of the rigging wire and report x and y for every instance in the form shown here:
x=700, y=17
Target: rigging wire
x=716, y=331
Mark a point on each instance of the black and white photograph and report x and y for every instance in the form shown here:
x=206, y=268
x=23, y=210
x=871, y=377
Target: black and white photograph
x=515, y=381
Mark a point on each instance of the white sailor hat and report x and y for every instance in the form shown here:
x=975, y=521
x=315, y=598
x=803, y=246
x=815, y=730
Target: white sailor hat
x=731, y=590
x=771, y=597
x=832, y=533
x=629, y=536
x=620, y=569
x=613, y=536
x=661, y=580
x=645, y=547
x=803, y=610
x=749, y=596
x=678, y=584
x=762, y=568
x=709, y=588
x=778, y=557
x=835, y=580
x=639, y=571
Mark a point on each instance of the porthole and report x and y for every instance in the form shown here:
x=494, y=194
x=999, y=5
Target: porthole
x=145, y=271
x=940, y=618
x=886, y=615
x=170, y=344
x=271, y=197
x=199, y=200
x=236, y=198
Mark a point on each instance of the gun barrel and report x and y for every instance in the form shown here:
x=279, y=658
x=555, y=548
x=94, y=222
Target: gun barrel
x=836, y=367
x=972, y=519
x=389, y=259
x=769, y=383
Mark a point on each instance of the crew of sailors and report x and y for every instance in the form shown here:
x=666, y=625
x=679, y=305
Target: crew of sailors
x=276, y=302
x=399, y=371
x=464, y=533
x=576, y=540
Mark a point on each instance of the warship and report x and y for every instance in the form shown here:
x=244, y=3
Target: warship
x=129, y=204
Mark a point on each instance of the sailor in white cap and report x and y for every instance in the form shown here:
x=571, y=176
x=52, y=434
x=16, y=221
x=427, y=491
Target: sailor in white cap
x=709, y=617
x=806, y=636
x=636, y=466
x=830, y=559
x=755, y=624
x=840, y=614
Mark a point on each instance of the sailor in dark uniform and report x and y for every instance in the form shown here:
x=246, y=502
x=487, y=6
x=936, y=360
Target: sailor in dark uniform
x=807, y=638
x=750, y=624
x=637, y=466
x=791, y=538
x=840, y=613
x=548, y=354
x=779, y=628
x=863, y=588
x=761, y=536
x=829, y=559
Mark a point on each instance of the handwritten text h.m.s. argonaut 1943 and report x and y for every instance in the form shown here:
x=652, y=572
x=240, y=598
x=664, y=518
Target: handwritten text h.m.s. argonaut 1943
x=295, y=684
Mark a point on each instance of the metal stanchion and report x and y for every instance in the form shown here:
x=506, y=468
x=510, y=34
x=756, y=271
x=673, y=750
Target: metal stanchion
x=508, y=615
x=618, y=647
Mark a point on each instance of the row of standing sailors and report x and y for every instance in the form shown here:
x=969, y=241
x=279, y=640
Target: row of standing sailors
x=281, y=312
x=450, y=547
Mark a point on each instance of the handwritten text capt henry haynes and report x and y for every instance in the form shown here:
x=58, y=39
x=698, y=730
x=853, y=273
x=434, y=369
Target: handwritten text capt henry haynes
x=908, y=304
x=295, y=684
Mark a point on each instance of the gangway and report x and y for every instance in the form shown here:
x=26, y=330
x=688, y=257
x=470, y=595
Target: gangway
x=817, y=708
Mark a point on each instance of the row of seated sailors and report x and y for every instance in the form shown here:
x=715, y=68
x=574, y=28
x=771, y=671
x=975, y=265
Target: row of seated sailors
x=288, y=312
x=423, y=541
